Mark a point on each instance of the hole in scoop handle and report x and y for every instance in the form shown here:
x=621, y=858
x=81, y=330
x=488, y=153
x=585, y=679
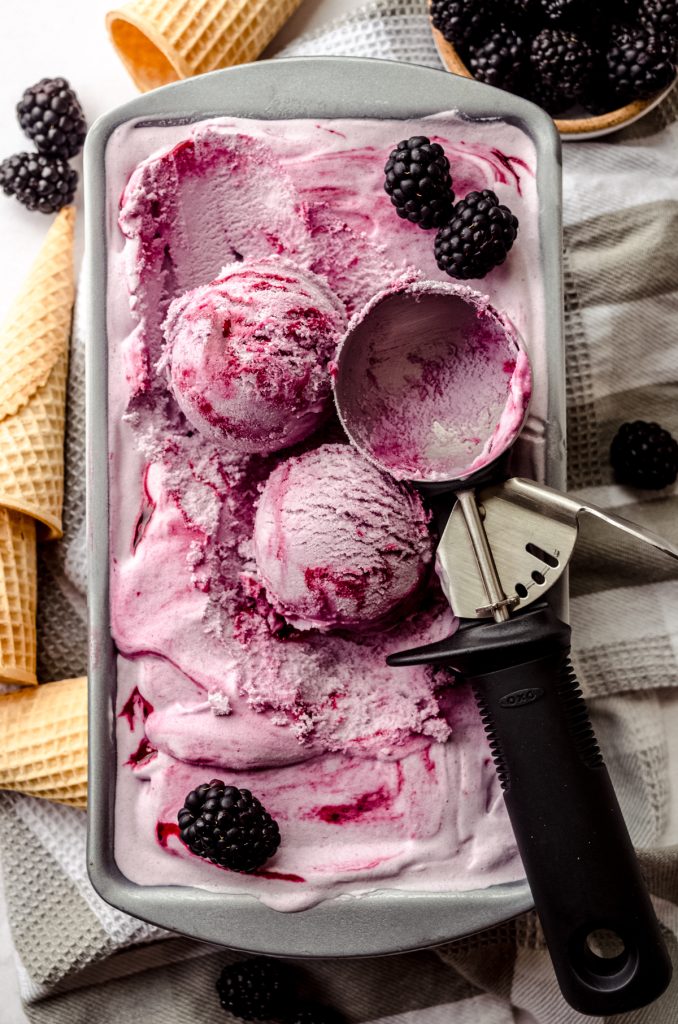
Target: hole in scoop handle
x=578, y=856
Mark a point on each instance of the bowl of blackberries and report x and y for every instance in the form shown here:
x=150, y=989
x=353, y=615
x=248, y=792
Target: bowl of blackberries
x=594, y=65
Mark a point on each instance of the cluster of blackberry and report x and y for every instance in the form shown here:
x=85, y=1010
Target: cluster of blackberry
x=51, y=116
x=260, y=989
x=595, y=54
x=474, y=235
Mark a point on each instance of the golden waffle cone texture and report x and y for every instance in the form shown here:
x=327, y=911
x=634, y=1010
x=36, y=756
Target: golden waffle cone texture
x=34, y=344
x=43, y=741
x=18, y=599
x=161, y=41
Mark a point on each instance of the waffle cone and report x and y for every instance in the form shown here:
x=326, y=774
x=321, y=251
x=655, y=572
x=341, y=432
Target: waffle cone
x=43, y=742
x=34, y=343
x=161, y=41
x=18, y=598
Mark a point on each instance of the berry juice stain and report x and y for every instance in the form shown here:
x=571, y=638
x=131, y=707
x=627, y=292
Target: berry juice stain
x=145, y=512
x=340, y=814
x=164, y=830
x=507, y=162
x=281, y=876
x=144, y=754
x=135, y=702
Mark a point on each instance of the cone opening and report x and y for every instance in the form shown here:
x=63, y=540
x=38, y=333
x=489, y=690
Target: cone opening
x=142, y=54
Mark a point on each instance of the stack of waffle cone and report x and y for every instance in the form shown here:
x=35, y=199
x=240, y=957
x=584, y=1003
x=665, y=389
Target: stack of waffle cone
x=43, y=729
x=43, y=741
x=161, y=41
x=34, y=343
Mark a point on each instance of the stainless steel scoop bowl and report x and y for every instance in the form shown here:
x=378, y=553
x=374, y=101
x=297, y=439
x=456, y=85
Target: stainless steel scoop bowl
x=408, y=388
x=498, y=556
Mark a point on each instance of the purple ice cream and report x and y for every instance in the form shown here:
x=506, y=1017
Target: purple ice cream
x=247, y=355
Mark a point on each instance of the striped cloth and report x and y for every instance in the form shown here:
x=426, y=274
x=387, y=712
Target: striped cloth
x=621, y=277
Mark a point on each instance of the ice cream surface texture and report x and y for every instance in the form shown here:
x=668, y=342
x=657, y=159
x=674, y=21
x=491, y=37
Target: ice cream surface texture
x=338, y=543
x=247, y=354
x=237, y=251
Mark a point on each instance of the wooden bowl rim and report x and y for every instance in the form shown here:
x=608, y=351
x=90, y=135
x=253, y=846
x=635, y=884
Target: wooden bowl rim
x=566, y=126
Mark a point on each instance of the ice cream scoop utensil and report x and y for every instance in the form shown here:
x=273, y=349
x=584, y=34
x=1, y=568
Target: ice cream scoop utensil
x=531, y=531
x=578, y=856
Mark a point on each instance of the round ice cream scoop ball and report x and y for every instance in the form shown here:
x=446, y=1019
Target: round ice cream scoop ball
x=432, y=382
x=338, y=543
x=246, y=356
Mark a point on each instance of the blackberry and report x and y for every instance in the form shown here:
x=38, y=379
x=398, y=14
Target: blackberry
x=500, y=60
x=639, y=63
x=519, y=13
x=644, y=455
x=312, y=1013
x=461, y=21
x=419, y=183
x=564, y=64
x=661, y=16
x=50, y=114
x=478, y=237
x=564, y=13
x=39, y=182
x=254, y=989
x=228, y=826
x=535, y=91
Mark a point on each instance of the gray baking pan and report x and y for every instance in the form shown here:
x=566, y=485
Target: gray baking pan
x=329, y=87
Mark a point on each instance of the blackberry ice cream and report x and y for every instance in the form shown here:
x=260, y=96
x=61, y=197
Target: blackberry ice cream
x=378, y=778
x=247, y=355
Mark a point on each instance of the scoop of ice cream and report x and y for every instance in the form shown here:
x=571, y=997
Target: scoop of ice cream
x=432, y=381
x=247, y=355
x=339, y=543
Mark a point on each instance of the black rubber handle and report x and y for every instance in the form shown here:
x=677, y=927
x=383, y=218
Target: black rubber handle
x=578, y=856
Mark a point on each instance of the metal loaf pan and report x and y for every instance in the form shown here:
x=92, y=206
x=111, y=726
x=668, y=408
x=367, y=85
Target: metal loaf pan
x=329, y=87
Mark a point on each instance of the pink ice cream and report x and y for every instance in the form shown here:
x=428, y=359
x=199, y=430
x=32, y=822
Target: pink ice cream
x=432, y=383
x=380, y=778
x=247, y=354
x=338, y=544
